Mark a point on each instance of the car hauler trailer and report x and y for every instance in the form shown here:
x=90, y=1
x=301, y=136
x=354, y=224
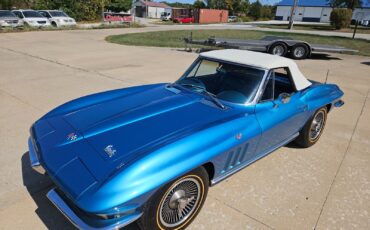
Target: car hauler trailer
x=281, y=46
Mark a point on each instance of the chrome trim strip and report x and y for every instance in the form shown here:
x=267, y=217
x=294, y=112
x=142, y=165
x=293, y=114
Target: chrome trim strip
x=35, y=163
x=242, y=166
x=54, y=197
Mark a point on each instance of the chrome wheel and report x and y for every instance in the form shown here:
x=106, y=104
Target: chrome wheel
x=299, y=52
x=278, y=50
x=317, y=125
x=179, y=202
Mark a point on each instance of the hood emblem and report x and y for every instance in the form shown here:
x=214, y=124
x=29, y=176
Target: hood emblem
x=110, y=151
x=72, y=137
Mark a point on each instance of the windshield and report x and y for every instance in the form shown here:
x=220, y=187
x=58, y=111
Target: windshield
x=32, y=14
x=58, y=14
x=226, y=81
x=7, y=14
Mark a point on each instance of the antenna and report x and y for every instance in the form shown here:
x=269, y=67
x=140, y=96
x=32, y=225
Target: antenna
x=327, y=76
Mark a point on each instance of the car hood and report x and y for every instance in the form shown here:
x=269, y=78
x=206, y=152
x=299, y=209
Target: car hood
x=91, y=143
x=8, y=18
x=62, y=18
x=35, y=19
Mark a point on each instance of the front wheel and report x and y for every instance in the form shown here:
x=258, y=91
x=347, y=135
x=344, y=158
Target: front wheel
x=313, y=129
x=176, y=205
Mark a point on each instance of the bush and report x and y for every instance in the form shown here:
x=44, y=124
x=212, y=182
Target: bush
x=340, y=18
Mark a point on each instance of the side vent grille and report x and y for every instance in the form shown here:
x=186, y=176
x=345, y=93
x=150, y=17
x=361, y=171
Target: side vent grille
x=235, y=157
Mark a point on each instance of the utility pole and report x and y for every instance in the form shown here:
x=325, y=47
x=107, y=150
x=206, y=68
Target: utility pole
x=133, y=10
x=291, y=19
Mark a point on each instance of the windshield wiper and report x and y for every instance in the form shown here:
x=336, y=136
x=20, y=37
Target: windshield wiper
x=210, y=95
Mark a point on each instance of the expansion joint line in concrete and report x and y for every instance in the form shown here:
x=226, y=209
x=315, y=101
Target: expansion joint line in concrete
x=68, y=66
x=344, y=156
x=244, y=214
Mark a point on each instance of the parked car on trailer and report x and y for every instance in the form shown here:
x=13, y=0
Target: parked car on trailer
x=9, y=19
x=150, y=152
x=58, y=18
x=280, y=46
x=32, y=18
x=182, y=20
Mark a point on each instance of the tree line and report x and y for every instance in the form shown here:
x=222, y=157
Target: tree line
x=88, y=10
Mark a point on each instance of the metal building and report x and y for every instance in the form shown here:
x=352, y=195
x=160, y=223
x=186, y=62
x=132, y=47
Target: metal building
x=307, y=11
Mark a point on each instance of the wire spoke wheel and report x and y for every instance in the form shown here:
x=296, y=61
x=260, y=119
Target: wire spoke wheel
x=179, y=202
x=317, y=125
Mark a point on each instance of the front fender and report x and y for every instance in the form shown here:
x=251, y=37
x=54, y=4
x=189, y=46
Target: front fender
x=134, y=183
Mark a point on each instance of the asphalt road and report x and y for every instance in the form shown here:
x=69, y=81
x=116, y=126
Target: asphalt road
x=325, y=187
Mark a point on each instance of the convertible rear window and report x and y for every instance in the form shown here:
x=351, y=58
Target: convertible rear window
x=227, y=81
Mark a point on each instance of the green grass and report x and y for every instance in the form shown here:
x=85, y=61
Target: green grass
x=360, y=29
x=174, y=38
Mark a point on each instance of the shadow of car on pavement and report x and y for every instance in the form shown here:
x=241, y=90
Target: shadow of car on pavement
x=38, y=186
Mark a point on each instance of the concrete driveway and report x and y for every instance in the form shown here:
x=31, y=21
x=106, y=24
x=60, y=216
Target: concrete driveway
x=323, y=187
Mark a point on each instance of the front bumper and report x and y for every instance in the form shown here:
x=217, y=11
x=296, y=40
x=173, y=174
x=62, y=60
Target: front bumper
x=67, y=211
x=34, y=159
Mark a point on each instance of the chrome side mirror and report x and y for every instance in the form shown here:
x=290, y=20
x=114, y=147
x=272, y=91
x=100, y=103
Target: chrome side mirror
x=284, y=98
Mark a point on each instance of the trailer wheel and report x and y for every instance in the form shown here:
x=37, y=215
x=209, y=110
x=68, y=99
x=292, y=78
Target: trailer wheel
x=279, y=49
x=299, y=51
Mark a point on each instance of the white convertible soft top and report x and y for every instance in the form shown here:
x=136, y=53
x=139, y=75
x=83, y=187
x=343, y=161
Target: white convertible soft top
x=260, y=60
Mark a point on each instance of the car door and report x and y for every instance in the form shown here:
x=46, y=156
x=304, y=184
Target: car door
x=280, y=112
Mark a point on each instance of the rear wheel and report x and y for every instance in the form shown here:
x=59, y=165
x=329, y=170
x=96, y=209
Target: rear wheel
x=279, y=49
x=313, y=129
x=54, y=24
x=299, y=51
x=176, y=204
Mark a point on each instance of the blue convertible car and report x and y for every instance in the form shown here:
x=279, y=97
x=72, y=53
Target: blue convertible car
x=149, y=153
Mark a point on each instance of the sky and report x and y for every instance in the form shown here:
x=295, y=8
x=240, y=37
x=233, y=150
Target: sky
x=270, y=2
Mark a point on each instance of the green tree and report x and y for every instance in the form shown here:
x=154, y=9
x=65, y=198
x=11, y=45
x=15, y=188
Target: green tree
x=340, y=18
x=255, y=10
x=350, y=4
x=244, y=6
x=81, y=10
x=198, y=4
x=217, y=4
x=119, y=5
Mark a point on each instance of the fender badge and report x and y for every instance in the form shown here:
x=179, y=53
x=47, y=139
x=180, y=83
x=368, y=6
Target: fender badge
x=72, y=137
x=110, y=151
x=238, y=136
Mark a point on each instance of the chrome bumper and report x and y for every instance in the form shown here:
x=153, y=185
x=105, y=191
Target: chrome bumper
x=78, y=222
x=35, y=163
x=339, y=103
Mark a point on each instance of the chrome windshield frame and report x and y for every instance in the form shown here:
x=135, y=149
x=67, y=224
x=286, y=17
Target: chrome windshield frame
x=254, y=101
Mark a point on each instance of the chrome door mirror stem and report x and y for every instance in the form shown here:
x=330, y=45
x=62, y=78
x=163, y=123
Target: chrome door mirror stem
x=284, y=98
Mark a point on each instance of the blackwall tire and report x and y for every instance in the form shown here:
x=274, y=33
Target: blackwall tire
x=279, y=49
x=299, y=51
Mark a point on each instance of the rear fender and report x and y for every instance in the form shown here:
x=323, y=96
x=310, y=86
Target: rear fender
x=319, y=95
